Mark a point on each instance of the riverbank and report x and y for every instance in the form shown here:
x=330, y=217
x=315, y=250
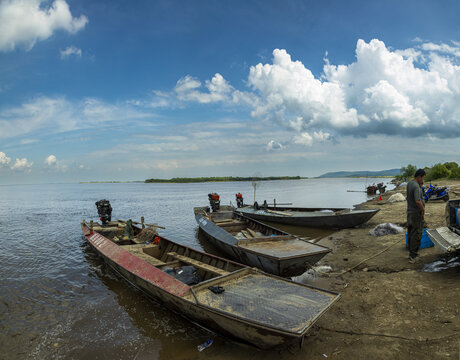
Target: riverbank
x=389, y=309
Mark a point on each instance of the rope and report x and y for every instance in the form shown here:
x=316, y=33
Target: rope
x=387, y=335
x=354, y=266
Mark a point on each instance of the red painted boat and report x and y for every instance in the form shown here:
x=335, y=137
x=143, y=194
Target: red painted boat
x=217, y=293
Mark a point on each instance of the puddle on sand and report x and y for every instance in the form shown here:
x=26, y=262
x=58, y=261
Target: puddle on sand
x=441, y=265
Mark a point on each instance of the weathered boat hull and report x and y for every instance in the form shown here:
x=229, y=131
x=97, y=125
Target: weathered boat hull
x=447, y=238
x=318, y=218
x=286, y=266
x=190, y=303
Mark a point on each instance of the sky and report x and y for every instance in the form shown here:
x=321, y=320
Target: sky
x=121, y=90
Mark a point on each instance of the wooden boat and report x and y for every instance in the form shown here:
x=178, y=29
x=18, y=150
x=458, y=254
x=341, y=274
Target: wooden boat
x=230, y=298
x=256, y=244
x=447, y=238
x=333, y=218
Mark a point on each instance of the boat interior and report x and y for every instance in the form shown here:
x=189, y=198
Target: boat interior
x=182, y=262
x=258, y=237
x=240, y=226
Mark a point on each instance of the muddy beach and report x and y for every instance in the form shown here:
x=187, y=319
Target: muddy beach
x=390, y=309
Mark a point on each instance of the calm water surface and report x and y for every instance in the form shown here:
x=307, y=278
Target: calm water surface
x=59, y=300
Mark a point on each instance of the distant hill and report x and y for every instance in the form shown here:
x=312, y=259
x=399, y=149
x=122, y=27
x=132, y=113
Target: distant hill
x=340, y=174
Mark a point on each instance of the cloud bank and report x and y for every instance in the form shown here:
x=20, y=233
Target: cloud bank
x=4, y=160
x=24, y=22
x=22, y=165
x=411, y=93
x=57, y=115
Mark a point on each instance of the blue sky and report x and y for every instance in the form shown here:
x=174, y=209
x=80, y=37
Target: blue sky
x=120, y=90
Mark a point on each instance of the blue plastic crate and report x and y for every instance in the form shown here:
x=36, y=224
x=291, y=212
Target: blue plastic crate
x=425, y=242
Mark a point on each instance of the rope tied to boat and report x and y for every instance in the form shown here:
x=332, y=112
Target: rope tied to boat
x=330, y=274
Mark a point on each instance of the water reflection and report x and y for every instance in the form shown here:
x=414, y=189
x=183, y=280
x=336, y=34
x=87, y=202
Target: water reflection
x=167, y=334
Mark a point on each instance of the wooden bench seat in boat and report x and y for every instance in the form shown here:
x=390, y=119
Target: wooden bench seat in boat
x=198, y=264
x=139, y=252
x=103, y=229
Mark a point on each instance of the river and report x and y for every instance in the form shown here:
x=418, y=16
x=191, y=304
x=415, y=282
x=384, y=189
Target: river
x=59, y=300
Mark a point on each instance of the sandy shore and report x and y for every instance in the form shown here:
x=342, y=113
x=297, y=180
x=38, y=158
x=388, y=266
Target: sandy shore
x=389, y=309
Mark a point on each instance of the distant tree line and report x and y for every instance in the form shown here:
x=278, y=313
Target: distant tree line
x=220, y=179
x=448, y=170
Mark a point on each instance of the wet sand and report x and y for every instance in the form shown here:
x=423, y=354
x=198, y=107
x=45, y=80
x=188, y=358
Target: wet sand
x=390, y=309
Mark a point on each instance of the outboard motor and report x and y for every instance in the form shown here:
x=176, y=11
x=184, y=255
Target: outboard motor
x=214, y=201
x=104, y=210
x=239, y=200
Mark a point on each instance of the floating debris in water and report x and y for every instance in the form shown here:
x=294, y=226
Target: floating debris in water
x=441, y=265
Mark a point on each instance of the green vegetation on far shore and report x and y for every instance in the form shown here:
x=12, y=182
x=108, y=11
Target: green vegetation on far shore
x=109, y=182
x=221, y=179
x=448, y=170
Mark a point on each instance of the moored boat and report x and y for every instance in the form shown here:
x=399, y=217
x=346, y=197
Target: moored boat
x=332, y=218
x=256, y=244
x=222, y=295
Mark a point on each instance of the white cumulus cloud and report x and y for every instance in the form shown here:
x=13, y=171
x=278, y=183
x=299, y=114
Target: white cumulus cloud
x=288, y=89
x=406, y=92
x=24, y=22
x=50, y=160
x=54, y=164
x=69, y=51
x=22, y=165
x=190, y=89
x=4, y=160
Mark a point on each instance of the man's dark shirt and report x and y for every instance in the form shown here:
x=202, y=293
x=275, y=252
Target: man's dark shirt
x=414, y=193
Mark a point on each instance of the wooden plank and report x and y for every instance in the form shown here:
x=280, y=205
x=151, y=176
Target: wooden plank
x=230, y=224
x=148, y=258
x=252, y=232
x=246, y=234
x=223, y=221
x=198, y=264
x=105, y=229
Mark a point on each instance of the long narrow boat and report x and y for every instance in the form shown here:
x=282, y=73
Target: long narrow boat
x=333, y=218
x=219, y=294
x=447, y=238
x=256, y=244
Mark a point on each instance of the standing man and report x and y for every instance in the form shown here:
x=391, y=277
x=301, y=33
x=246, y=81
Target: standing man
x=415, y=213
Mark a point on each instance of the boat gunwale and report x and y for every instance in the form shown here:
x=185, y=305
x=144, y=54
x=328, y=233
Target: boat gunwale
x=298, y=212
x=324, y=250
